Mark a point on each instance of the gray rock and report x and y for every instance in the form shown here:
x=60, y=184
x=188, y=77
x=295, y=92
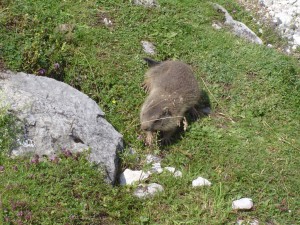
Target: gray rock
x=148, y=47
x=239, y=28
x=55, y=116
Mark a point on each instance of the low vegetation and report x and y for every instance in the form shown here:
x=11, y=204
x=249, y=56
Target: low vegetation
x=247, y=147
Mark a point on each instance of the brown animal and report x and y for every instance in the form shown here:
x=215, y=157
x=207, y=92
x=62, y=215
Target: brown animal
x=173, y=90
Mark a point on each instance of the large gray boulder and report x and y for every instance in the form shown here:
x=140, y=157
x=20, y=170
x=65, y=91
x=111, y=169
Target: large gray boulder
x=55, y=116
x=237, y=27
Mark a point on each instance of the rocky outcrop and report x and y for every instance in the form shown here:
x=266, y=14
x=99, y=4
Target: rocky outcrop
x=55, y=116
x=283, y=15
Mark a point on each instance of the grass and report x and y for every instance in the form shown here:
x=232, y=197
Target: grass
x=248, y=147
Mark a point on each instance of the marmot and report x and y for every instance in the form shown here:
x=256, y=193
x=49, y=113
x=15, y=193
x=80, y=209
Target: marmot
x=173, y=90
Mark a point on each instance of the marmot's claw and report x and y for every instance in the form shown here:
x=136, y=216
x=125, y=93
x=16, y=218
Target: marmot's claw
x=185, y=124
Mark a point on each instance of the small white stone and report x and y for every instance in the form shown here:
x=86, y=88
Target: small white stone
x=254, y=222
x=148, y=47
x=146, y=3
x=107, y=22
x=129, y=176
x=284, y=18
x=178, y=174
x=152, y=159
x=200, y=181
x=243, y=222
x=288, y=50
x=156, y=168
x=170, y=169
x=143, y=191
x=132, y=151
x=242, y=204
x=216, y=26
x=240, y=222
x=269, y=46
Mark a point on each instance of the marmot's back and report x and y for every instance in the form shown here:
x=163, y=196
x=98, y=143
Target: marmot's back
x=176, y=79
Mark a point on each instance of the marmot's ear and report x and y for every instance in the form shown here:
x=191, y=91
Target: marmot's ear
x=166, y=112
x=151, y=62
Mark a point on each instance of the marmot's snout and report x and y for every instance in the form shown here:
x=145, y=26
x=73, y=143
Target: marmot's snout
x=146, y=126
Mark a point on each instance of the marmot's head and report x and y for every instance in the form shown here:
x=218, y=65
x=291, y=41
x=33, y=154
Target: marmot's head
x=157, y=117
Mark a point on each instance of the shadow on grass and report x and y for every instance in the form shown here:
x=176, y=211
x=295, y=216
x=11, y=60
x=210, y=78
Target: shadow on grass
x=202, y=110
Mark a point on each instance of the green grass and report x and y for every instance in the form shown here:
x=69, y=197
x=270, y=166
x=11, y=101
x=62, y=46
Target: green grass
x=248, y=147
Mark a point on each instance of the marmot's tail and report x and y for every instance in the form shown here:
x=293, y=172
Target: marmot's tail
x=151, y=62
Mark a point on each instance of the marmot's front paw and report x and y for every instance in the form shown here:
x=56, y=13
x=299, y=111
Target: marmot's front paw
x=149, y=138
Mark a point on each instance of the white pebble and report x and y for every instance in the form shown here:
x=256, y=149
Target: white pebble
x=170, y=169
x=178, y=174
x=242, y=204
x=243, y=222
x=129, y=176
x=156, y=168
x=152, y=159
x=143, y=191
x=200, y=181
x=296, y=38
x=107, y=22
x=254, y=222
x=216, y=26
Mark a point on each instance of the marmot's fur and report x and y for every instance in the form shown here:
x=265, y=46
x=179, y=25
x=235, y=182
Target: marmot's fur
x=173, y=90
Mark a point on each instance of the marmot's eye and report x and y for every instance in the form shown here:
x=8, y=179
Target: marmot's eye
x=157, y=121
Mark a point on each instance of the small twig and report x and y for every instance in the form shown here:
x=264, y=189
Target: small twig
x=280, y=138
x=169, y=117
x=92, y=72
